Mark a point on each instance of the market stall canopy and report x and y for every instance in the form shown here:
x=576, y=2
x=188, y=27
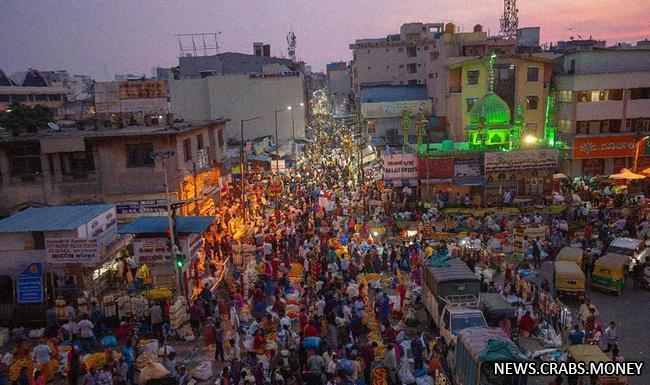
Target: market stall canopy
x=646, y=171
x=160, y=224
x=259, y=158
x=56, y=218
x=627, y=175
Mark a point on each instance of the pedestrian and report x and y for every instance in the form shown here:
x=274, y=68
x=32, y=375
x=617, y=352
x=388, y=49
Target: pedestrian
x=576, y=336
x=611, y=336
x=38, y=379
x=156, y=315
x=558, y=380
x=537, y=252
x=87, y=332
x=121, y=371
x=218, y=341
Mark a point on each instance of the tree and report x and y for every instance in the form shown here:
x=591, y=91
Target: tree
x=21, y=118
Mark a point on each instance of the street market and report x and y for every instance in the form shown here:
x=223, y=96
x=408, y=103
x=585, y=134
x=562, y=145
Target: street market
x=328, y=274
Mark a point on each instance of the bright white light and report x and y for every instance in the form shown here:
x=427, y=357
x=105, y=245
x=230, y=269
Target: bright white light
x=375, y=233
x=369, y=148
x=530, y=139
x=411, y=233
x=302, y=104
x=289, y=108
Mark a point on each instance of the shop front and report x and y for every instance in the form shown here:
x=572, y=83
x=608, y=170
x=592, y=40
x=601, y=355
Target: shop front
x=435, y=174
x=203, y=190
x=527, y=175
x=602, y=154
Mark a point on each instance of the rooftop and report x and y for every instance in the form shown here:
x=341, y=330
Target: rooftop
x=56, y=218
x=177, y=128
x=160, y=224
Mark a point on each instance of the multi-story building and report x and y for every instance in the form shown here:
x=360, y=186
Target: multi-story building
x=31, y=88
x=242, y=97
x=521, y=80
x=603, y=108
x=56, y=167
x=339, y=80
x=131, y=103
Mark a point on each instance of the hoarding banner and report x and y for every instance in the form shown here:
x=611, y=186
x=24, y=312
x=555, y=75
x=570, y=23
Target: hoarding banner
x=29, y=284
x=395, y=109
x=464, y=167
x=439, y=168
x=142, y=206
x=521, y=160
x=607, y=146
x=399, y=166
x=151, y=250
x=72, y=250
x=148, y=89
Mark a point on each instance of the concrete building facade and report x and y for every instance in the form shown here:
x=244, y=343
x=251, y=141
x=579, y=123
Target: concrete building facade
x=111, y=165
x=239, y=97
x=31, y=88
x=603, y=108
x=339, y=80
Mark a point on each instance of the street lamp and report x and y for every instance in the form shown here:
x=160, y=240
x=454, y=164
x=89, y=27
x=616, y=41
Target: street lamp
x=164, y=155
x=277, y=139
x=293, y=125
x=241, y=165
x=637, y=148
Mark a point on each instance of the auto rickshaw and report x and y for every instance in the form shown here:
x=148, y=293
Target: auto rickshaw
x=572, y=254
x=569, y=280
x=609, y=272
x=495, y=307
x=592, y=353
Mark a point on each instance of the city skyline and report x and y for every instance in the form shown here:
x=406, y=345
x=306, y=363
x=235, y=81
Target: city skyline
x=100, y=39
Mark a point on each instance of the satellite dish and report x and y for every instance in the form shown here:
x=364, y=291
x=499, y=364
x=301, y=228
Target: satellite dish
x=53, y=126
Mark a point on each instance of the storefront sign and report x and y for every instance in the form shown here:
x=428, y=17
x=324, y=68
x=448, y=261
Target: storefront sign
x=464, y=167
x=131, y=96
x=608, y=146
x=395, y=109
x=29, y=284
x=72, y=250
x=521, y=160
x=191, y=245
x=151, y=250
x=399, y=166
x=435, y=168
x=103, y=227
x=593, y=167
x=143, y=206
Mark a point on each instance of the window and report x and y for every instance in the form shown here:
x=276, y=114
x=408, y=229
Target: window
x=18, y=98
x=582, y=127
x=78, y=163
x=139, y=155
x=199, y=142
x=426, y=48
x=640, y=93
x=54, y=98
x=401, y=66
x=5, y=98
x=411, y=52
x=599, y=95
x=412, y=68
x=470, y=103
x=472, y=77
x=611, y=125
x=564, y=125
x=565, y=96
x=40, y=98
x=24, y=160
x=531, y=128
x=400, y=49
x=368, y=67
x=187, y=150
x=434, y=56
x=639, y=124
x=430, y=76
x=572, y=66
x=531, y=102
x=532, y=74
x=413, y=81
x=372, y=127
x=220, y=137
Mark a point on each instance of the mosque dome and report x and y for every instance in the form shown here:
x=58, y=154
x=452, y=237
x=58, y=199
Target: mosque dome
x=495, y=110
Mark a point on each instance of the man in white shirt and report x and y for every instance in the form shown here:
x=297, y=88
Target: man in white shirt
x=86, y=331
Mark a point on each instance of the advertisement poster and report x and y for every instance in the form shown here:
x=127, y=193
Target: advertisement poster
x=29, y=284
x=438, y=168
x=151, y=250
x=523, y=160
x=606, y=146
x=464, y=167
x=399, y=166
x=72, y=250
x=395, y=109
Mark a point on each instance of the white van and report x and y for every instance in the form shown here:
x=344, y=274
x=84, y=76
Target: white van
x=635, y=249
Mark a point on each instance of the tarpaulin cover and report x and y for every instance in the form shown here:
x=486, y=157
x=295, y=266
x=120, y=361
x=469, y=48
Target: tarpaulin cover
x=438, y=260
x=499, y=350
x=495, y=306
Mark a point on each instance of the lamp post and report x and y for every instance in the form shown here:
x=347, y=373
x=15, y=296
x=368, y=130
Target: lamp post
x=277, y=139
x=293, y=124
x=637, y=149
x=241, y=165
x=164, y=155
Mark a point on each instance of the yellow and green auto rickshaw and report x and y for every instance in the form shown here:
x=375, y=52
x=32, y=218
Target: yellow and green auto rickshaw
x=569, y=280
x=609, y=272
x=572, y=254
x=589, y=354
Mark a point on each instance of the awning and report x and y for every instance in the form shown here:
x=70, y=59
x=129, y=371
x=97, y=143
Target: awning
x=160, y=224
x=401, y=182
x=470, y=181
x=259, y=158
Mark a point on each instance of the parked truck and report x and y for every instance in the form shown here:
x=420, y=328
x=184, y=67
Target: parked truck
x=450, y=294
x=477, y=351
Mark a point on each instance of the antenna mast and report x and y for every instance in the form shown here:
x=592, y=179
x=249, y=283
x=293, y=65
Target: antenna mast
x=291, y=45
x=509, y=20
x=198, y=44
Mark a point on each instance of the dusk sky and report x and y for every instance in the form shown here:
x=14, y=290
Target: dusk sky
x=134, y=36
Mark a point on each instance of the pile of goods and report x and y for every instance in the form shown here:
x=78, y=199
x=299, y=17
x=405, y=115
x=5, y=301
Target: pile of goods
x=139, y=308
x=109, y=306
x=14, y=370
x=158, y=294
x=178, y=315
x=124, y=307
